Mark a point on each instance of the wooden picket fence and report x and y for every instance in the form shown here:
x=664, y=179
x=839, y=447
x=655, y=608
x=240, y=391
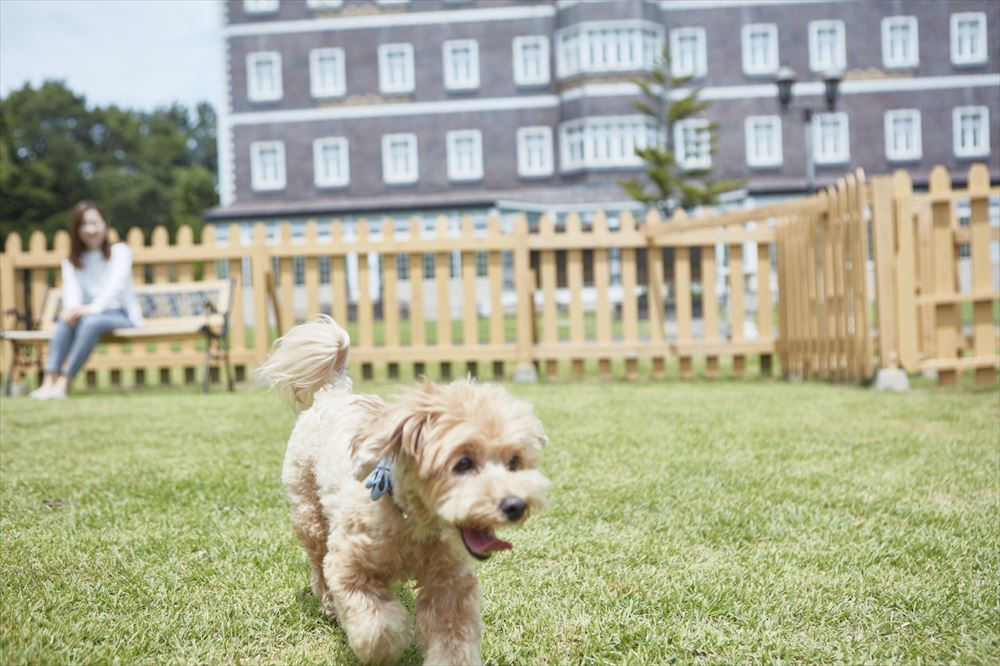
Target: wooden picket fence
x=825, y=301
x=725, y=292
x=925, y=275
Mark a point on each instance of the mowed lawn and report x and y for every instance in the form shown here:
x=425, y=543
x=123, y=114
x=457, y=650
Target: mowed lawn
x=702, y=522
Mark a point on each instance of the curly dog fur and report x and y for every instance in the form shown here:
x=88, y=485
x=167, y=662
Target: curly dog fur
x=465, y=458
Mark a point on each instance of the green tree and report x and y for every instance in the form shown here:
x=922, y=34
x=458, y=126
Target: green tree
x=146, y=168
x=668, y=185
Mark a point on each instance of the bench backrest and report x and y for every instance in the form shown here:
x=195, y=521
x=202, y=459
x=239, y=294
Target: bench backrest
x=176, y=303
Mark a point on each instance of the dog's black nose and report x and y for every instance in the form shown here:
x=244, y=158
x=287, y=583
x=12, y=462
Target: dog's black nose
x=513, y=508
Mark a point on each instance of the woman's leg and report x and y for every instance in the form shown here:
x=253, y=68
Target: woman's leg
x=62, y=340
x=88, y=333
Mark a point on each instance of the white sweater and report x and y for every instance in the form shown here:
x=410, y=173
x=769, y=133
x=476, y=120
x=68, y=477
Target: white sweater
x=103, y=284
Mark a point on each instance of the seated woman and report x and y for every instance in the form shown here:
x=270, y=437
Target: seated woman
x=97, y=297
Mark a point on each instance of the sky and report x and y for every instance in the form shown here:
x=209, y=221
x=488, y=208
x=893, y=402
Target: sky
x=138, y=54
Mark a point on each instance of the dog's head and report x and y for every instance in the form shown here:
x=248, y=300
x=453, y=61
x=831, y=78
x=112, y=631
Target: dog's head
x=467, y=452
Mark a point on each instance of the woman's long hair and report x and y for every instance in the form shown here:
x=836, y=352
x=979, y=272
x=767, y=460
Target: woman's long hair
x=76, y=246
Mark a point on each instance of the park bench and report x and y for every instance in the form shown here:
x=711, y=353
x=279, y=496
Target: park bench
x=176, y=311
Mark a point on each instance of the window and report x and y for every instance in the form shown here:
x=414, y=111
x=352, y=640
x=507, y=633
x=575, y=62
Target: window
x=325, y=4
x=760, y=48
x=531, y=60
x=264, y=76
x=267, y=165
x=763, y=138
x=326, y=72
x=693, y=143
x=331, y=162
x=461, y=64
x=465, y=155
x=395, y=68
x=399, y=159
x=968, y=38
x=604, y=141
x=612, y=46
x=899, y=42
x=902, y=135
x=971, y=128
x=831, y=143
x=534, y=151
x=827, y=51
x=687, y=52
x=260, y=6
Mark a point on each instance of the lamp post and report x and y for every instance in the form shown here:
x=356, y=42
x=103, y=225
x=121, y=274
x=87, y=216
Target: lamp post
x=831, y=91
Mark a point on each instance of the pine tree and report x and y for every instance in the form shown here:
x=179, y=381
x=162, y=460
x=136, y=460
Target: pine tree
x=667, y=185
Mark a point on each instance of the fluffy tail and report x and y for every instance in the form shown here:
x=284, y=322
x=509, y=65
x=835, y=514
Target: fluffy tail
x=306, y=359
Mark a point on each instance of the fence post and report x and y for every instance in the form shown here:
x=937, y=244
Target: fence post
x=523, y=287
x=885, y=286
x=260, y=268
x=906, y=304
x=8, y=300
x=947, y=318
x=654, y=301
x=984, y=342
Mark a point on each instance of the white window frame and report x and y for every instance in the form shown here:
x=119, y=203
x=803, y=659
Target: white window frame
x=447, y=55
x=254, y=92
x=324, y=4
x=699, y=67
x=980, y=55
x=684, y=160
x=844, y=155
x=772, y=64
x=345, y=162
x=981, y=150
x=521, y=76
x=753, y=158
x=839, y=58
x=892, y=152
x=888, y=61
x=547, y=167
x=476, y=170
x=257, y=182
x=315, y=81
x=406, y=178
x=395, y=87
x=585, y=142
x=391, y=2
x=257, y=7
x=574, y=44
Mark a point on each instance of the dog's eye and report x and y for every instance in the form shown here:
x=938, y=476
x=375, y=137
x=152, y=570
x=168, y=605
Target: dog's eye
x=514, y=463
x=464, y=465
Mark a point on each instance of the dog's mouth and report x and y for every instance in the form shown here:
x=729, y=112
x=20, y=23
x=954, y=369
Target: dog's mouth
x=480, y=542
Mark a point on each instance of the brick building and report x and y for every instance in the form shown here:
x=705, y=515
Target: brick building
x=348, y=108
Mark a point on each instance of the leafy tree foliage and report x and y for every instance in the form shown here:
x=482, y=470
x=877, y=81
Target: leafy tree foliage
x=667, y=185
x=145, y=168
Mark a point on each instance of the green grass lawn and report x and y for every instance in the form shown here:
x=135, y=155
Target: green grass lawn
x=700, y=522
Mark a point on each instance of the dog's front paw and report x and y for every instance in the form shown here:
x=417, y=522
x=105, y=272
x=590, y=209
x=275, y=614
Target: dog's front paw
x=453, y=653
x=381, y=635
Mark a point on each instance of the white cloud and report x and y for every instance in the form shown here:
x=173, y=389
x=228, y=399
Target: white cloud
x=133, y=53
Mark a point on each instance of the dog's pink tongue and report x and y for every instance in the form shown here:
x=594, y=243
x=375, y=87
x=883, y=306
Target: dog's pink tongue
x=483, y=541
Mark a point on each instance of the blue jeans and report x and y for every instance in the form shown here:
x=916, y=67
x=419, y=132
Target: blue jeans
x=71, y=345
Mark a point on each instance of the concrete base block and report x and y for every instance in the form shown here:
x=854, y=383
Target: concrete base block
x=892, y=379
x=525, y=373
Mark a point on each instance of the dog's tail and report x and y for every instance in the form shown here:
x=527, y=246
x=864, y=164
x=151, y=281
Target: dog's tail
x=307, y=358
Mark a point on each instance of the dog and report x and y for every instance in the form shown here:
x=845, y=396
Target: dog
x=412, y=490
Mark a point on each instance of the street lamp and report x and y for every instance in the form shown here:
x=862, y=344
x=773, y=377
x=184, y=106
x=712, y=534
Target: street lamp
x=831, y=91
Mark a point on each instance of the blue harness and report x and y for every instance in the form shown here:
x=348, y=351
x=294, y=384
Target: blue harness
x=380, y=480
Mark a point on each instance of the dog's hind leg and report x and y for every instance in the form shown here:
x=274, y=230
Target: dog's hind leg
x=309, y=525
x=378, y=627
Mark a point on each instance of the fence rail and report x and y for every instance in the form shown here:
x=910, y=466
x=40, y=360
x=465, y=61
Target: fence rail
x=593, y=295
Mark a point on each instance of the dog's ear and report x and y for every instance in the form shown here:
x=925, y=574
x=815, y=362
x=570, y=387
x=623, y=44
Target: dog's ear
x=398, y=430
